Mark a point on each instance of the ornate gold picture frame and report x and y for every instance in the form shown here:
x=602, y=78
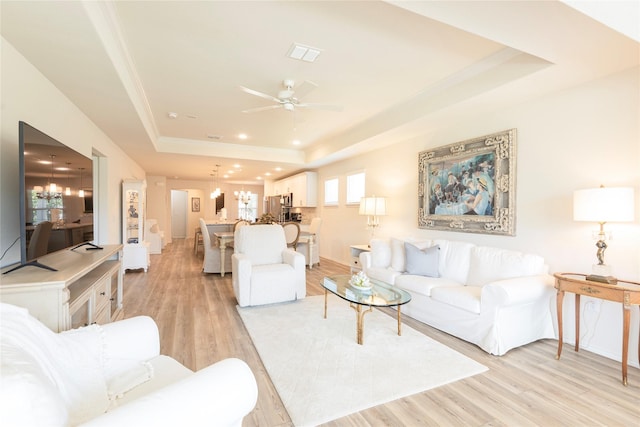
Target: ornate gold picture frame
x=469, y=186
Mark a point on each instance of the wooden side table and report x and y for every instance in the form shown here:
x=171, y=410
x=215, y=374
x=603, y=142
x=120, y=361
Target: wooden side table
x=625, y=292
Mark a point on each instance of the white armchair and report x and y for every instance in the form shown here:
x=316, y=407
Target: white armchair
x=154, y=236
x=308, y=243
x=264, y=270
x=211, y=261
x=111, y=375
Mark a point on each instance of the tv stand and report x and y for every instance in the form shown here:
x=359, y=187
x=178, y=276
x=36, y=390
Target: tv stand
x=33, y=263
x=84, y=287
x=91, y=247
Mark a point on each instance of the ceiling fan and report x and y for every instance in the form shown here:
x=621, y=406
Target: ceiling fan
x=289, y=98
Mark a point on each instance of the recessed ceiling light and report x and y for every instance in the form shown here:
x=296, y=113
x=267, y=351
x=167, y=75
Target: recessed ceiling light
x=242, y=136
x=236, y=166
x=267, y=173
x=173, y=115
x=278, y=169
x=258, y=178
x=296, y=142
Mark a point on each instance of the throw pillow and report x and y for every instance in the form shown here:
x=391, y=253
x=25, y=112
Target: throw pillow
x=422, y=262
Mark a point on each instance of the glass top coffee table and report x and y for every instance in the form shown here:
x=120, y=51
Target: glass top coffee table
x=380, y=295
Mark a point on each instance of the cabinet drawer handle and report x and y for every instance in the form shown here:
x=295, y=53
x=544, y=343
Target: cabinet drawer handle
x=103, y=293
x=589, y=290
x=112, y=299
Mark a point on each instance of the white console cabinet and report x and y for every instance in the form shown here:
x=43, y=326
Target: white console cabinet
x=136, y=250
x=85, y=289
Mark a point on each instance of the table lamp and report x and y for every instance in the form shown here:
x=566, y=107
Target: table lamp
x=373, y=207
x=603, y=205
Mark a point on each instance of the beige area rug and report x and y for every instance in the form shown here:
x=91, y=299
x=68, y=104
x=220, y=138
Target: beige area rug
x=322, y=374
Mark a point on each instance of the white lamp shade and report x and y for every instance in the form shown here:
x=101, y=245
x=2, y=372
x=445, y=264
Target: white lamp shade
x=604, y=204
x=375, y=206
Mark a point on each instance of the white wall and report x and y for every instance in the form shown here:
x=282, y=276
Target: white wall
x=579, y=138
x=28, y=96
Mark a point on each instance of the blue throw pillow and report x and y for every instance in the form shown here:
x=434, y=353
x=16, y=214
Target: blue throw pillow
x=422, y=262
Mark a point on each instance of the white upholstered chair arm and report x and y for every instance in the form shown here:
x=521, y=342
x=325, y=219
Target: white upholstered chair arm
x=291, y=257
x=135, y=338
x=220, y=394
x=241, y=267
x=365, y=261
x=518, y=290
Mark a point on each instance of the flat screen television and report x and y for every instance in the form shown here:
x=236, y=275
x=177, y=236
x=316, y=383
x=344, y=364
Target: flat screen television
x=55, y=182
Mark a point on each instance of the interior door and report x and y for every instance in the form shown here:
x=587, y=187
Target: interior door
x=179, y=201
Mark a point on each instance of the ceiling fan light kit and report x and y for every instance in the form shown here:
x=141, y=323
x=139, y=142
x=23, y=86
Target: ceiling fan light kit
x=289, y=98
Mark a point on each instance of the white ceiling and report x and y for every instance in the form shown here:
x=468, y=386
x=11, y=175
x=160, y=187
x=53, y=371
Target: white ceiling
x=394, y=67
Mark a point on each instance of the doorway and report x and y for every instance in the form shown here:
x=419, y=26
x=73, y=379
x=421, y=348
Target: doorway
x=179, y=199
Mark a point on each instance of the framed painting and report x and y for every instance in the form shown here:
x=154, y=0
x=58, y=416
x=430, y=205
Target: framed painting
x=195, y=204
x=469, y=186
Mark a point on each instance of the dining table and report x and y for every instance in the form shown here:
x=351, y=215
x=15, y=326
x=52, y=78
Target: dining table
x=224, y=238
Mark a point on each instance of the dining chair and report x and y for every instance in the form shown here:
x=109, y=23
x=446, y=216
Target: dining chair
x=292, y=234
x=39, y=240
x=240, y=223
x=308, y=244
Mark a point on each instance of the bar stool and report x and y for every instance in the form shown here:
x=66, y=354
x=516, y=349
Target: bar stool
x=197, y=240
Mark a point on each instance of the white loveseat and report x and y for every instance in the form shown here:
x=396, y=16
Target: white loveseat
x=495, y=298
x=111, y=375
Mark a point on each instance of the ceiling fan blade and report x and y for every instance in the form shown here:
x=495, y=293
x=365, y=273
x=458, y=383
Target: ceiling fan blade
x=260, y=94
x=304, y=88
x=257, y=109
x=320, y=106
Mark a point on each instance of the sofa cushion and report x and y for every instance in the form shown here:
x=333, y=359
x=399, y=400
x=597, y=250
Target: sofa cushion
x=464, y=297
x=490, y=264
x=380, y=253
x=27, y=396
x=386, y=275
x=422, y=284
x=455, y=258
x=422, y=262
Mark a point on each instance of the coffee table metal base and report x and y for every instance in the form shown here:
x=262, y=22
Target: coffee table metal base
x=360, y=317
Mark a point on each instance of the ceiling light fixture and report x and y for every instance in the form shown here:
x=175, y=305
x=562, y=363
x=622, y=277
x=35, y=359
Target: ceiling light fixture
x=173, y=115
x=243, y=136
x=303, y=53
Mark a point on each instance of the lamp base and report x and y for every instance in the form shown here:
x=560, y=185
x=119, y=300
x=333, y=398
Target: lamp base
x=602, y=273
x=602, y=279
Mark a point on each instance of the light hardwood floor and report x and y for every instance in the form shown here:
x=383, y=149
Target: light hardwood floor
x=199, y=325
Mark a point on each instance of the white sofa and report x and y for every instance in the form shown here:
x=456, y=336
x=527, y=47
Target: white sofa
x=111, y=375
x=495, y=298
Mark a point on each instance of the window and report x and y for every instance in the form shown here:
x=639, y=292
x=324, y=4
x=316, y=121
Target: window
x=355, y=188
x=250, y=210
x=41, y=208
x=331, y=191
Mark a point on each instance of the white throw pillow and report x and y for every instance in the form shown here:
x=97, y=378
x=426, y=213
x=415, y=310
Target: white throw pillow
x=397, y=255
x=380, y=253
x=422, y=262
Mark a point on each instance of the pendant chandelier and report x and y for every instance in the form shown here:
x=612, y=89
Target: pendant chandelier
x=67, y=191
x=81, y=191
x=51, y=190
x=216, y=192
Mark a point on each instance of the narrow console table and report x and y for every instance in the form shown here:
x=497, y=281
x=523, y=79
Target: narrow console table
x=625, y=292
x=87, y=288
